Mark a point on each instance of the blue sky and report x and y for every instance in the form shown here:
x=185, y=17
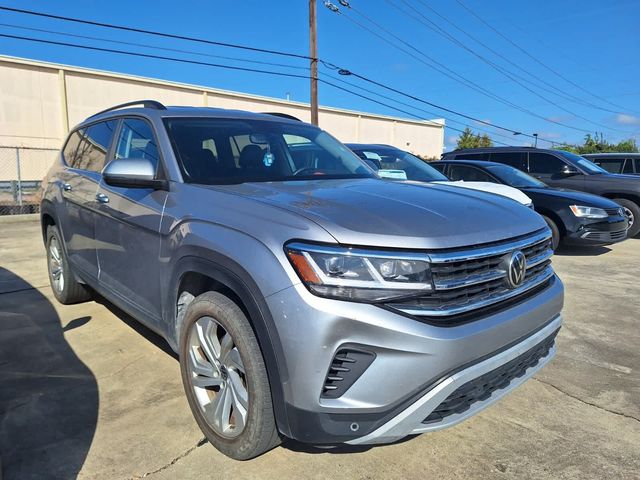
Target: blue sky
x=593, y=44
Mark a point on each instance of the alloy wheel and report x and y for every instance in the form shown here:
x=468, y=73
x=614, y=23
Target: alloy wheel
x=218, y=377
x=630, y=217
x=56, y=266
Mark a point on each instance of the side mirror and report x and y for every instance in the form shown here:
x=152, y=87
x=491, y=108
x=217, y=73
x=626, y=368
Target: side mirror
x=568, y=170
x=132, y=173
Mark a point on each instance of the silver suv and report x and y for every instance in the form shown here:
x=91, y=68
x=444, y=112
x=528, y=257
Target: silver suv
x=306, y=298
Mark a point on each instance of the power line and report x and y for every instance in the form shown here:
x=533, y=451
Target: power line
x=535, y=59
x=448, y=119
x=152, y=32
x=455, y=76
x=559, y=92
x=326, y=82
x=146, y=45
x=519, y=80
x=325, y=63
x=157, y=57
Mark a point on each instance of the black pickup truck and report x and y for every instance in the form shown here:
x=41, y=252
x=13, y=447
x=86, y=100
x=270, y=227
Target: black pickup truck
x=558, y=168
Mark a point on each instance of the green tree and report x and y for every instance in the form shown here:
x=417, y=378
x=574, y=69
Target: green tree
x=468, y=139
x=597, y=144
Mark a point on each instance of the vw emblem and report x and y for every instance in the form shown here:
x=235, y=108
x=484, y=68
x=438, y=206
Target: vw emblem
x=516, y=269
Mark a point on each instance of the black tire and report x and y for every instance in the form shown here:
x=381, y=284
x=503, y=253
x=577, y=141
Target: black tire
x=555, y=232
x=260, y=433
x=632, y=209
x=68, y=291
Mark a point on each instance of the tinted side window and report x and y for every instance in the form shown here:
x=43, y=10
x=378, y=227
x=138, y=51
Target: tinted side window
x=628, y=166
x=544, y=163
x=469, y=174
x=136, y=140
x=637, y=160
x=613, y=165
x=515, y=159
x=70, y=149
x=96, y=145
x=472, y=156
x=439, y=166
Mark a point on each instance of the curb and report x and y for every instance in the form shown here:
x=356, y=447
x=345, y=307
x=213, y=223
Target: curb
x=22, y=218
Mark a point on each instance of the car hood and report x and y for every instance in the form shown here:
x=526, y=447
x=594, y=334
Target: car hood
x=372, y=212
x=497, y=188
x=573, y=196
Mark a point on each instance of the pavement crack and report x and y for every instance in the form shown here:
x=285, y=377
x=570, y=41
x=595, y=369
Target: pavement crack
x=120, y=370
x=599, y=407
x=187, y=452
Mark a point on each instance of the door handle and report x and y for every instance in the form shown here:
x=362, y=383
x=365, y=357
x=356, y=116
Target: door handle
x=102, y=198
x=66, y=187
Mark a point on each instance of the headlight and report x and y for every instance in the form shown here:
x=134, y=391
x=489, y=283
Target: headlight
x=588, y=212
x=359, y=275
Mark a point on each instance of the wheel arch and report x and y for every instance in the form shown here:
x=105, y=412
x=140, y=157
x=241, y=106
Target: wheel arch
x=556, y=219
x=202, y=270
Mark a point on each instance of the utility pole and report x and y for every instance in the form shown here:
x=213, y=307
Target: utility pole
x=535, y=136
x=313, y=53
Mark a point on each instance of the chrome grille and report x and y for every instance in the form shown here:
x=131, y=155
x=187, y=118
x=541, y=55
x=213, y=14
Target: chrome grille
x=471, y=279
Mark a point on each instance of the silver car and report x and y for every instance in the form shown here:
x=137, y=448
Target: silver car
x=306, y=298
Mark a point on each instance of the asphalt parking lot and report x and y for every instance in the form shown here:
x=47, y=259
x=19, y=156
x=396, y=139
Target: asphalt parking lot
x=87, y=392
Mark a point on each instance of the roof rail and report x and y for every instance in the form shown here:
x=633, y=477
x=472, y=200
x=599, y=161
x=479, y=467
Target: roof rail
x=145, y=103
x=283, y=115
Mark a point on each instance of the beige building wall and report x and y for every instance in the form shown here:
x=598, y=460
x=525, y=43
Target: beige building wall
x=40, y=101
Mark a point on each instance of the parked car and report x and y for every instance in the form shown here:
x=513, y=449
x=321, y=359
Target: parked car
x=318, y=302
x=392, y=163
x=561, y=169
x=575, y=218
x=628, y=163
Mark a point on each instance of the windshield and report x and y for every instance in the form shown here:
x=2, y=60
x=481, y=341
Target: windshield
x=396, y=164
x=514, y=177
x=582, y=162
x=220, y=151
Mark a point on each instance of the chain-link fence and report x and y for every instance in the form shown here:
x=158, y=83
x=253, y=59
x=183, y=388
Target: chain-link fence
x=21, y=172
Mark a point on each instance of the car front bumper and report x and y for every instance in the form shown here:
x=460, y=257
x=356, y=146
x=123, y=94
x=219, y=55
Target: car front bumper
x=612, y=230
x=417, y=365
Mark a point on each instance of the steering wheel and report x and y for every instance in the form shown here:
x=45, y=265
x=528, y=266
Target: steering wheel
x=308, y=170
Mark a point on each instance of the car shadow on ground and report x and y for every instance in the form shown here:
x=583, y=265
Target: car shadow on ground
x=135, y=325
x=581, y=251
x=48, y=396
x=340, y=449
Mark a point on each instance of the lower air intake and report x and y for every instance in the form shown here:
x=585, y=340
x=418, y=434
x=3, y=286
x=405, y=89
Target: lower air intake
x=347, y=366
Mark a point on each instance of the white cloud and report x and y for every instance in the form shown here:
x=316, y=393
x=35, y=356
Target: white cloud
x=624, y=119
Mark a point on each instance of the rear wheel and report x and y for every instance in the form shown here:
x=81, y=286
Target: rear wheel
x=66, y=288
x=555, y=232
x=225, y=378
x=632, y=212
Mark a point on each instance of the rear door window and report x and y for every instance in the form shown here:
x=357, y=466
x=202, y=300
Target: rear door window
x=544, y=163
x=93, y=146
x=468, y=174
x=628, y=166
x=515, y=159
x=613, y=165
x=472, y=156
x=71, y=148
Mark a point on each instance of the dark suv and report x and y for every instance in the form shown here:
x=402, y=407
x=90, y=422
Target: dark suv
x=561, y=169
x=628, y=163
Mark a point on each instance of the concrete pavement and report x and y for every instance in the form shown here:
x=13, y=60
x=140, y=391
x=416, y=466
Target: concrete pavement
x=87, y=392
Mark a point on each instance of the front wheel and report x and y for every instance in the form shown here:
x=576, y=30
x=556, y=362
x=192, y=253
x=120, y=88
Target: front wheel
x=555, y=232
x=632, y=212
x=225, y=378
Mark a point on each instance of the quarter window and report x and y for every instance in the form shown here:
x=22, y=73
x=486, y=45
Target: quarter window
x=136, y=140
x=544, y=163
x=92, y=146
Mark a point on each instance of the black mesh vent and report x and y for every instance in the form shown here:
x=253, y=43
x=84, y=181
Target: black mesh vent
x=347, y=366
x=481, y=388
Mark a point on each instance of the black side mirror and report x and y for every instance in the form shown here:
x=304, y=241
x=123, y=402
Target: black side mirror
x=132, y=173
x=569, y=170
